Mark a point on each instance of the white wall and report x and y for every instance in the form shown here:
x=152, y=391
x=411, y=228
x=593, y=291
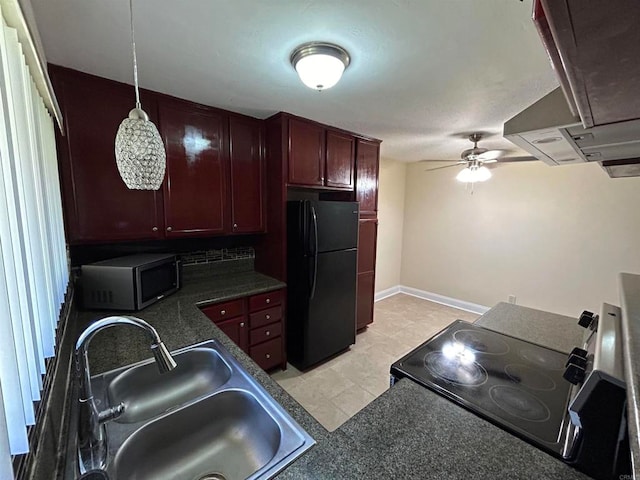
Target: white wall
x=555, y=237
x=391, y=191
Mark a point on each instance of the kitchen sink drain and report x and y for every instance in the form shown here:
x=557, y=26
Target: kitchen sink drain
x=213, y=476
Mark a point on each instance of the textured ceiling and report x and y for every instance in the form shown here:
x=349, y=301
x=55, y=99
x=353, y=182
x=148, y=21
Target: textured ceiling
x=423, y=72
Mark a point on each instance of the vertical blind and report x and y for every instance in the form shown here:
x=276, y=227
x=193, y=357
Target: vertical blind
x=33, y=264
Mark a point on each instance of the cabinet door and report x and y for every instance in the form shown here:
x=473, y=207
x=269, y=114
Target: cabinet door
x=366, y=293
x=195, y=194
x=246, y=141
x=98, y=207
x=306, y=153
x=368, y=154
x=237, y=330
x=340, y=160
x=367, y=233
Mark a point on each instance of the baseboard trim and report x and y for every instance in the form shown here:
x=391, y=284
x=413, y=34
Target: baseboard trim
x=432, y=297
x=389, y=292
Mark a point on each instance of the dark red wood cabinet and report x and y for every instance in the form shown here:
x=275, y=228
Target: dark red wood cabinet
x=367, y=239
x=319, y=156
x=306, y=153
x=236, y=329
x=214, y=181
x=195, y=185
x=255, y=324
x=368, y=158
x=246, y=158
x=340, y=160
x=365, y=299
x=97, y=204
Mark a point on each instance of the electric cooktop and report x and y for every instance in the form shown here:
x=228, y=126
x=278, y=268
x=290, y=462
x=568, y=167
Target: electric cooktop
x=515, y=384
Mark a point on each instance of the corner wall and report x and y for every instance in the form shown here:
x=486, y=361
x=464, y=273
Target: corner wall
x=391, y=192
x=555, y=237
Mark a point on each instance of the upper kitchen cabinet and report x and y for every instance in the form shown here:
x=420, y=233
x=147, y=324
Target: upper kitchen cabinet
x=195, y=185
x=246, y=154
x=98, y=207
x=594, y=47
x=214, y=182
x=367, y=166
x=340, y=160
x=319, y=157
x=306, y=153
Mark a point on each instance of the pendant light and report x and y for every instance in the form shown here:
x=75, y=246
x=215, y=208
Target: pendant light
x=320, y=65
x=140, y=154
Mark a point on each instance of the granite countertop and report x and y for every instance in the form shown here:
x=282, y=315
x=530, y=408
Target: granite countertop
x=408, y=432
x=412, y=432
x=547, y=329
x=630, y=302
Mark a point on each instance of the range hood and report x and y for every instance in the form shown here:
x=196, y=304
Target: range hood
x=550, y=132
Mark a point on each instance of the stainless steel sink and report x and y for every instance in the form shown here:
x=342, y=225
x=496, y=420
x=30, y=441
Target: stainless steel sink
x=229, y=434
x=206, y=419
x=147, y=393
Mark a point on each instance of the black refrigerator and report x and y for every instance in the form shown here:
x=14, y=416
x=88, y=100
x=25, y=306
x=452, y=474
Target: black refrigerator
x=322, y=239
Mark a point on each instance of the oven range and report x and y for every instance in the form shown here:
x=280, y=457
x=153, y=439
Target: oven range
x=572, y=407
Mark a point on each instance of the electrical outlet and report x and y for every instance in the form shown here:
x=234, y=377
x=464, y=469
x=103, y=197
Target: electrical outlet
x=512, y=299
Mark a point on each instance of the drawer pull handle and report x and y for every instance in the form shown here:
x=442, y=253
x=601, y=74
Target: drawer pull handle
x=267, y=333
x=268, y=300
x=242, y=324
x=267, y=316
x=223, y=312
x=155, y=229
x=169, y=229
x=268, y=356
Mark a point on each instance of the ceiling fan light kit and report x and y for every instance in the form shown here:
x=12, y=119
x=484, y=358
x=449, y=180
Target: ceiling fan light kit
x=475, y=159
x=320, y=65
x=474, y=174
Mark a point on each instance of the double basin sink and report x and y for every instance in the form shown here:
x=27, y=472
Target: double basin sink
x=207, y=419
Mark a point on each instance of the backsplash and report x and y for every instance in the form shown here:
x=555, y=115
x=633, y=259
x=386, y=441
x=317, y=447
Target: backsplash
x=216, y=255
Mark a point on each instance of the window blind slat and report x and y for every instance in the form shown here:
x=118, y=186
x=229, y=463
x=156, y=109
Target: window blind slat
x=34, y=270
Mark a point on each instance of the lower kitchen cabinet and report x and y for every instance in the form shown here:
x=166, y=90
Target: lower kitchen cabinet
x=365, y=299
x=367, y=241
x=236, y=329
x=256, y=326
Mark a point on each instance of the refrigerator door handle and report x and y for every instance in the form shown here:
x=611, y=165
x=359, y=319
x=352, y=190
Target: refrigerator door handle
x=315, y=252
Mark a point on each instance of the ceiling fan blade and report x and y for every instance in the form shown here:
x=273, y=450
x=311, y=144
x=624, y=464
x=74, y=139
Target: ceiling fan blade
x=516, y=159
x=440, y=161
x=495, y=160
x=490, y=155
x=440, y=168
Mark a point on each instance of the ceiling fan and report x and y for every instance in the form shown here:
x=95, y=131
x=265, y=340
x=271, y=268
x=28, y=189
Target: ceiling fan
x=475, y=159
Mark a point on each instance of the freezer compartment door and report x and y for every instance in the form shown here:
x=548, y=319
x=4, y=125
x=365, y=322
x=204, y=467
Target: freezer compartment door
x=331, y=324
x=337, y=225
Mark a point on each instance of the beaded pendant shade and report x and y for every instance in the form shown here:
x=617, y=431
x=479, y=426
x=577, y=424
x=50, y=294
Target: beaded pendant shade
x=139, y=150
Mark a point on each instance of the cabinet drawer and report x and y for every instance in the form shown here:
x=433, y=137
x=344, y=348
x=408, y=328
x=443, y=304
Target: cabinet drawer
x=223, y=311
x=264, y=317
x=261, y=334
x=268, y=354
x=265, y=300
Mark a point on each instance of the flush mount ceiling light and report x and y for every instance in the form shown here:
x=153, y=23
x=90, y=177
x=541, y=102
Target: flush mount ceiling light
x=140, y=154
x=320, y=65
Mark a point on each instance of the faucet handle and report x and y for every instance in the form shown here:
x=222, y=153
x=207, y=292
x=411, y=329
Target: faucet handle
x=163, y=358
x=111, y=413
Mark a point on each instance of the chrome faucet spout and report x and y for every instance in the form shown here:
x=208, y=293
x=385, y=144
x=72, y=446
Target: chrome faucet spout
x=92, y=441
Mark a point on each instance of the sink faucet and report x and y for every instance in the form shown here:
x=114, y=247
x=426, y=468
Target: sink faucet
x=92, y=440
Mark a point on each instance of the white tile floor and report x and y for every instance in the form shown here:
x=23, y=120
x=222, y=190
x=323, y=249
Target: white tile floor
x=337, y=389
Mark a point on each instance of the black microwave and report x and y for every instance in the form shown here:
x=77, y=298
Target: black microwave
x=129, y=283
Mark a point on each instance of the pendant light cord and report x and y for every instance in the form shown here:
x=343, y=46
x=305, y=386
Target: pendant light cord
x=135, y=61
